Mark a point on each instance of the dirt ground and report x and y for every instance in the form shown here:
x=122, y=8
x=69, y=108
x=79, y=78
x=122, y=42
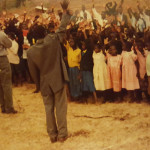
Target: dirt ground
x=76, y=5
x=114, y=126
x=121, y=126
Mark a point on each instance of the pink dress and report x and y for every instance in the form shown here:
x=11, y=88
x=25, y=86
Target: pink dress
x=129, y=71
x=142, y=64
x=114, y=65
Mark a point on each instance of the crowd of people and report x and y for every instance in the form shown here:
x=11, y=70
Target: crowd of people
x=106, y=54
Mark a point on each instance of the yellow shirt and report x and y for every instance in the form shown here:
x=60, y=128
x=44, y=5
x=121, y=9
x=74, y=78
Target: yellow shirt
x=73, y=56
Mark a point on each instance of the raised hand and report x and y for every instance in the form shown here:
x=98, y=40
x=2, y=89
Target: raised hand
x=64, y=4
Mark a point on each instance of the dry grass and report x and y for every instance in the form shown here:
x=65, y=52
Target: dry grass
x=126, y=128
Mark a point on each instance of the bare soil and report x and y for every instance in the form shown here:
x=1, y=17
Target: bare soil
x=109, y=126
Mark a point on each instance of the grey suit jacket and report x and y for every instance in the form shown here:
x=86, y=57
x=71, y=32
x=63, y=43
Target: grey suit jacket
x=5, y=42
x=46, y=63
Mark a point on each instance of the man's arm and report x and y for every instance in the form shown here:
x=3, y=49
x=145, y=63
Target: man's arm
x=5, y=41
x=35, y=73
x=64, y=21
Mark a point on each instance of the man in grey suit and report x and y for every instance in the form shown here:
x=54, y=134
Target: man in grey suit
x=6, y=100
x=49, y=73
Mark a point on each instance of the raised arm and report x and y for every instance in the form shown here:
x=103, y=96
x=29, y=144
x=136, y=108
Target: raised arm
x=64, y=21
x=107, y=8
x=115, y=5
x=139, y=8
x=130, y=12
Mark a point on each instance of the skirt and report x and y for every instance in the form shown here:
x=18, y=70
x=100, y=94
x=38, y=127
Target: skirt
x=87, y=83
x=74, y=82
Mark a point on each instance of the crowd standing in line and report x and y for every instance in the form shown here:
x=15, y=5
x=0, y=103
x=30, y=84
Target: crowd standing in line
x=106, y=54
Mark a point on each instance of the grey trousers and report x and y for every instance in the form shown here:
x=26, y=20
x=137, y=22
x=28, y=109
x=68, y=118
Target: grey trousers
x=56, y=113
x=6, y=99
x=148, y=85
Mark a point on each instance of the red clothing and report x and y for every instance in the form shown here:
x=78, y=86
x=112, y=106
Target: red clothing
x=25, y=32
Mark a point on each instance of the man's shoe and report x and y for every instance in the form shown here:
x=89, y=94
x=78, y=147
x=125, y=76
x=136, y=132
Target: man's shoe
x=62, y=139
x=53, y=140
x=13, y=111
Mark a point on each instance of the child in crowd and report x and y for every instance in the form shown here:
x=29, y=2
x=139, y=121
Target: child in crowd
x=26, y=46
x=88, y=70
x=148, y=67
x=114, y=64
x=86, y=67
x=14, y=59
x=130, y=80
x=100, y=70
x=139, y=47
x=74, y=58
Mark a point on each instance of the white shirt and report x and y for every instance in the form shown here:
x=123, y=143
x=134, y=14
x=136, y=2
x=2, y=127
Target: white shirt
x=133, y=21
x=120, y=16
x=12, y=53
x=89, y=18
x=98, y=17
x=146, y=19
x=140, y=25
x=26, y=42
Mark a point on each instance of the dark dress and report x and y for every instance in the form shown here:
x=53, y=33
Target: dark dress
x=86, y=67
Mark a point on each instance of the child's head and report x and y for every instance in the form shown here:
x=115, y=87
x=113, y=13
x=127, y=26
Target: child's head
x=137, y=15
x=71, y=42
x=148, y=45
x=139, y=45
x=113, y=50
x=129, y=32
x=39, y=32
x=97, y=48
x=115, y=47
x=127, y=46
x=83, y=45
x=51, y=26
